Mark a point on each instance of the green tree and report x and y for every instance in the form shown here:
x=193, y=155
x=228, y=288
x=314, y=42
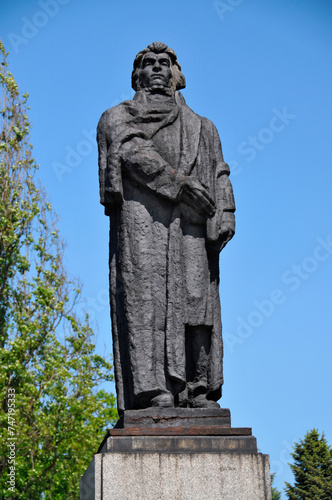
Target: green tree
x=276, y=495
x=54, y=414
x=312, y=469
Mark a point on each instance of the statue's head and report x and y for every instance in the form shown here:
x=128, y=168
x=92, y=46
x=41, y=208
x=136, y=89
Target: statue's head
x=157, y=67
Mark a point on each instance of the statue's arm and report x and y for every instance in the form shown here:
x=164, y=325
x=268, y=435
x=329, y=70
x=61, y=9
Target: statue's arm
x=102, y=163
x=145, y=165
x=110, y=186
x=142, y=163
x=221, y=227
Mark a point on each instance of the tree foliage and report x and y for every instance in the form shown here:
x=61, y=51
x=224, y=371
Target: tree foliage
x=53, y=413
x=276, y=495
x=312, y=469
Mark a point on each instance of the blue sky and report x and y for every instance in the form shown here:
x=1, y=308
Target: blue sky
x=261, y=71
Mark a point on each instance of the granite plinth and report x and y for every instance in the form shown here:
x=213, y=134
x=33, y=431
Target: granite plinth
x=182, y=462
x=180, y=476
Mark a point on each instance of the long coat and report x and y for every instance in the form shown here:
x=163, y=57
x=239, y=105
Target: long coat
x=164, y=256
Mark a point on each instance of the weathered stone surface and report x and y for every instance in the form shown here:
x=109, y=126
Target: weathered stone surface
x=211, y=430
x=91, y=482
x=180, y=476
x=174, y=417
x=186, y=444
x=165, y=186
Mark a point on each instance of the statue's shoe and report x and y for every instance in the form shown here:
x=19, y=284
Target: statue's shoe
x=202, y=402
x=164, y=400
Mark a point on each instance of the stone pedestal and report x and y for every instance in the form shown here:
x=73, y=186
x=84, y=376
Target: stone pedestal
x=170, y=454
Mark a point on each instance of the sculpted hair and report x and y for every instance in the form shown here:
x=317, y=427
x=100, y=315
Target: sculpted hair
x=177, y=81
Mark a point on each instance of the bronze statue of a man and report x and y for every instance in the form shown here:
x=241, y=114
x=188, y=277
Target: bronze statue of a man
x=165, y=186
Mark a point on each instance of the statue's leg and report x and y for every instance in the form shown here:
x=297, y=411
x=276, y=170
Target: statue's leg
x=148, y=360
x=143, y=266
x=198, y=345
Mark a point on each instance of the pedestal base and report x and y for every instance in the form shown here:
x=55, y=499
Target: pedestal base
x=177, y=462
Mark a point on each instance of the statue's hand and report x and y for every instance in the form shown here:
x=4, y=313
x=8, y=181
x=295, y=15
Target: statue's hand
x=226, y=233
x=197, y=197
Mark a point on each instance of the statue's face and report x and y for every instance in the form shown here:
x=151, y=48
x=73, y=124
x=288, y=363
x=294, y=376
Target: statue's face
x=156, y=71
